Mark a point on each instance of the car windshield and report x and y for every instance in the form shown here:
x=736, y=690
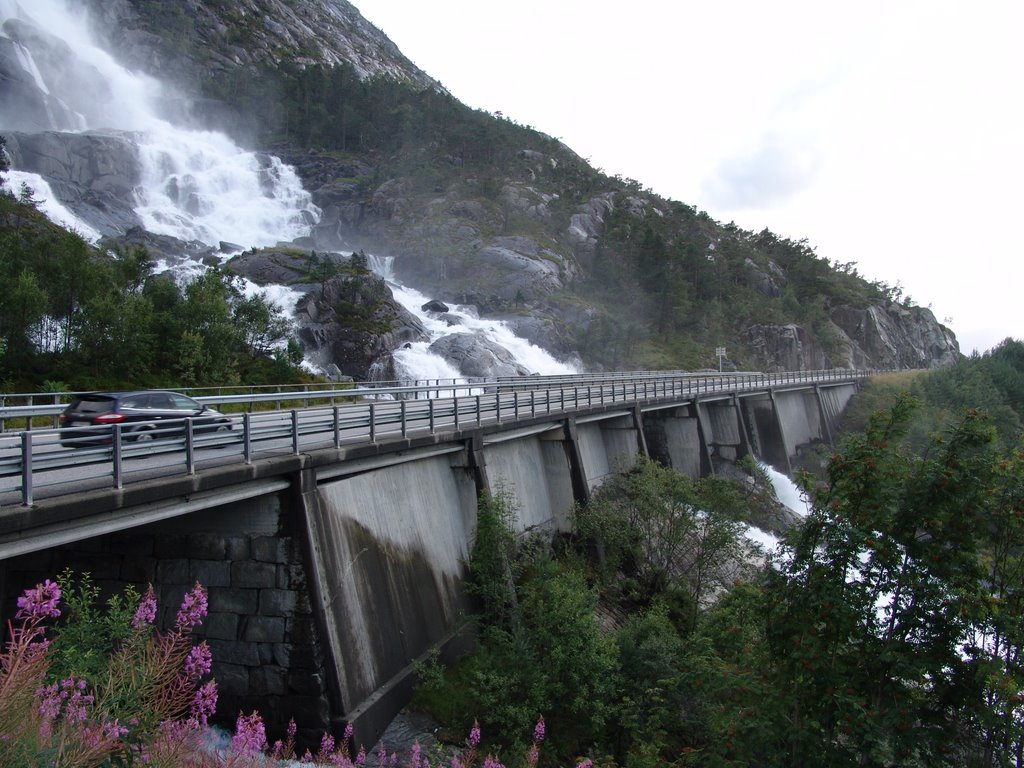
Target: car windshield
x=93, y=404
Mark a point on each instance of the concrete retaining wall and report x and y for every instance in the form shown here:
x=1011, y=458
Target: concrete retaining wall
x=608, y=447
x=389, y=548
x=535, y=471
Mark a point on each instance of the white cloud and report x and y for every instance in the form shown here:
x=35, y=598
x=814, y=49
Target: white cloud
x=769, y=173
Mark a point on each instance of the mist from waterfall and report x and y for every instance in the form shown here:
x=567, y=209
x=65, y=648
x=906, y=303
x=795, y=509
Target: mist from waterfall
x=195, y=185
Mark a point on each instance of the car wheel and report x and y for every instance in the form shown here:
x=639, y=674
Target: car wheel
x=222, y=430
x=143, y=436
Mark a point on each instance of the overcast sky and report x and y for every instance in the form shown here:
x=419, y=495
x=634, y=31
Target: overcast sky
x=888, y=133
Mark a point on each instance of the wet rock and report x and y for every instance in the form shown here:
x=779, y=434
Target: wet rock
x=475, y=355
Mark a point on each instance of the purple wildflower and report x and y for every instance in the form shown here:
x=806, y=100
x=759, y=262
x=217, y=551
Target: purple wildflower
x=456, y=763
x=414, y=755
x=585, y=763
x=492, y=762
x=361, y=756
x=145, y=614
x=78, y=700
x=292, y=729
x=326, y=744
x=50, y=700
x=538, y=730
x=198, y=662
x=39, y=602
x=532, y=755
x=474, y=734
x=250, y=737
x=204, y=703
x=193, y=609
x=348, y=731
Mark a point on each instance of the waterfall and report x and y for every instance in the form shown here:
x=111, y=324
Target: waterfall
x=48, y=203
x=415, y=362
x=786, y=491
x=199, y=185
x=195, y=185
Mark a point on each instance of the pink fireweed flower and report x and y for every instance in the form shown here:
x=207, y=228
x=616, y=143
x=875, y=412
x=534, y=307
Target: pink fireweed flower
x=78, y=700
x=585, y=763
x=198, y=662
x=292, y=729
x=361, y=756
x=538, y=730
x=474, y=734
x=193, y=609
x=204, y=702
x=39, y=602
x=145, y=614
x=456, y=763
x=532, y=755
x=250, y=737
x=414, y=755
x=326, y=744
x=492, y=762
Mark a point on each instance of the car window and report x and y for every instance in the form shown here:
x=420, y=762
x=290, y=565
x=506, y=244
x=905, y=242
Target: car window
x=161, y=401
x=140, y=400
x=93, y=404
x=183, y=403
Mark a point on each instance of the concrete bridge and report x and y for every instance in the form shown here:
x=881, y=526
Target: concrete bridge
x=334, y=554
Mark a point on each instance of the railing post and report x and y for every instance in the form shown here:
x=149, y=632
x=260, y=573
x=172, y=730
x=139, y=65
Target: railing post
x=478, y=417
x=337, y=426
x=497, y=405
x=373, y=422
x=430, y=411
x=455, y=407
x=117, y=441
x=190, y=448
x=533, y=402
x=247, y=437
x=515, y=405
x=295, y=432
x=26, y=468
x=403, y=418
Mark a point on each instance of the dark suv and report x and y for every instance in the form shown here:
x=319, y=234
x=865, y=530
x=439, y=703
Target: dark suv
x=145, y=415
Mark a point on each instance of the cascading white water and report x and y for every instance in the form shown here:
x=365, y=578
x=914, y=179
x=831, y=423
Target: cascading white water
x=195, y=185
x=199, y=185
x=49, y=205
x=417, y=363
x=786, y=491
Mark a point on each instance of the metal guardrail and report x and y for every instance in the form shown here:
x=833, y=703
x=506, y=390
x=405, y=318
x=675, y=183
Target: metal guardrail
x=35, y=458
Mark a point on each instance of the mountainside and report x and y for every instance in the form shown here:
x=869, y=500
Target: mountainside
x=474, y=209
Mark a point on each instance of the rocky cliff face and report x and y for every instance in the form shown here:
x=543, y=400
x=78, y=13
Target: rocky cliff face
x=222, y=37
x=575, y=261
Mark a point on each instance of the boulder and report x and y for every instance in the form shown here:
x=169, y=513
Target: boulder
x=355, y=324
x=477, y=356
x=435, y=306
